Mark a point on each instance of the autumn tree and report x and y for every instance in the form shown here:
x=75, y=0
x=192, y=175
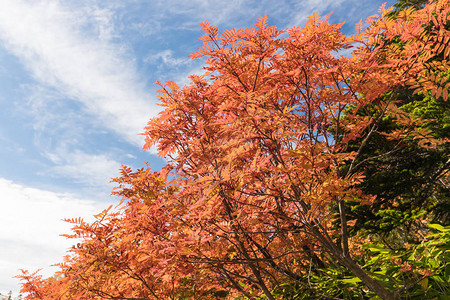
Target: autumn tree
x=262, y=150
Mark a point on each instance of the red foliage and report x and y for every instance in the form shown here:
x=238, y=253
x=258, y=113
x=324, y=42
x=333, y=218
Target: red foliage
x=255, y=149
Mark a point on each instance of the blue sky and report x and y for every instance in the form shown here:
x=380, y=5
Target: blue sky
x=76, y=89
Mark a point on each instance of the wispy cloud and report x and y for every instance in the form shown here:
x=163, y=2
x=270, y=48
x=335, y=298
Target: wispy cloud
x=64, y=137
x=63, y=50
x=31, y=224
x=167, y=57
x=91, y=170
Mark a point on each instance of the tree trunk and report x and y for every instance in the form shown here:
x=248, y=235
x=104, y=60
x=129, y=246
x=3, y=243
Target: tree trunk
x=348, y=262
x=371, y=283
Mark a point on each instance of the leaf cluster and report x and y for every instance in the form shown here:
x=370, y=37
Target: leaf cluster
x=293, y=173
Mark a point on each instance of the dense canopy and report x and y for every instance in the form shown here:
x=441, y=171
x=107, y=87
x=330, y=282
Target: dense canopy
x=285, y=175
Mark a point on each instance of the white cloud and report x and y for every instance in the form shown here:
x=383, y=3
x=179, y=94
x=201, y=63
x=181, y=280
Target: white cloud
x=147, y=27
x=129, y=155
x=31, y=222
x=94, y=170
x=167, y=57
x=176, y=69
x=62, y=49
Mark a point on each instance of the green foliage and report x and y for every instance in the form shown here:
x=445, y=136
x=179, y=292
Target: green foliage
x=332, y=283
x=407, y=178
x=414, y=270
x=435, y=111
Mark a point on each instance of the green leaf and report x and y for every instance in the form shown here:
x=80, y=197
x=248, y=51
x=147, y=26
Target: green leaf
x=351, y=280
x=438, y=227
x=378, y=249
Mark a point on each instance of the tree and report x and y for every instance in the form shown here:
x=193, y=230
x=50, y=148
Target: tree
x=262, y=149
x=410, y=180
